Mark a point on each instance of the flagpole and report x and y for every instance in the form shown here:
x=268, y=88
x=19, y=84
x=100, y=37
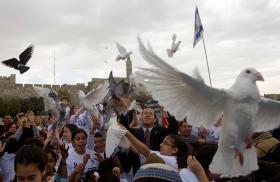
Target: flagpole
x=198, y=34
x=206, y=60
x=54, y=81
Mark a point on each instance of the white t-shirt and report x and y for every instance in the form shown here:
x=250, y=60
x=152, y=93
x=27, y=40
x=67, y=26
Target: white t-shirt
x=74, y=159
x=83, y=121
x=169, y=160
x=7, y=166
x=188, y=176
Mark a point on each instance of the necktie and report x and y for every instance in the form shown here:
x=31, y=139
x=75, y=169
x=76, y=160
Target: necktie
x=147, y=137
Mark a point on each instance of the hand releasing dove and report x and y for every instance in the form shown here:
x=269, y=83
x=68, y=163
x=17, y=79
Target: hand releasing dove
x=123, y=54
x=174, y=46
x=23, y=59
x=244, y=110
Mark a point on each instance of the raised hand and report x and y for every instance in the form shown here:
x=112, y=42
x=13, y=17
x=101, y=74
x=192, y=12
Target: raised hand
x=116, y=171
x=99, y=157
x=63, y=152
x=30, y=117
x=2, y=146
x=85, y=159
x=79, y=168
x=194, y=165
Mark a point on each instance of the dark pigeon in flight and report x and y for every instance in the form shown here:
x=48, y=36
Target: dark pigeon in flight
x=23, y=59
x=119, y=89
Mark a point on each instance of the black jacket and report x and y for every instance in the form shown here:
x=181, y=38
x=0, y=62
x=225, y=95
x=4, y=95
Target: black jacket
x=157, y=133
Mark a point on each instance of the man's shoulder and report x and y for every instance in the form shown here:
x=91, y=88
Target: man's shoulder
x=159, y=128
x=159, y=131
x=137, y=130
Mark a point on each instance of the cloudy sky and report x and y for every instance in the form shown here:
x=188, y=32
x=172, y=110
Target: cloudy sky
x=238, y=34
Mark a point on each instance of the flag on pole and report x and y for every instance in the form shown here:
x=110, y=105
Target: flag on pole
x=198, y=28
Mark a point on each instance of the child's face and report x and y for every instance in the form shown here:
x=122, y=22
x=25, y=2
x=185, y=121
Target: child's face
x=13, y=128
x=28, y=173
x=37, y=120
x=51, y=161
x=80, y=142
x=67, y=135
x=51, y=164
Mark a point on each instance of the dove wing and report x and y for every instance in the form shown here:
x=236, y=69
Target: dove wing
x=26, y=55
x=180, y=93
x=81, y=96
x=112, y=84
x=121, y=49
x=268, y=116
x=176, y=46
x=174, y=37
x=173, y=45
x=96, y=96
x=49, y=102
x=13, y=63
x=114, y=138
x=42, y=92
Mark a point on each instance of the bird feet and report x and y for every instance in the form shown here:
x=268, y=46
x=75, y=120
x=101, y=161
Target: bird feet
x=249, y=142
x=240, y=156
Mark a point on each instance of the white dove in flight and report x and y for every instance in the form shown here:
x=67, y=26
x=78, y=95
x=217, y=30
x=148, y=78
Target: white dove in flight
x=51, y=101
x=94, y=97
x=123, y=54
x=174, y=46
x=244, y=110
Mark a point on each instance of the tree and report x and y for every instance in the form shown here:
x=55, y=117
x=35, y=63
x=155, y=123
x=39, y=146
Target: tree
x=14, y=105
x=63, y=92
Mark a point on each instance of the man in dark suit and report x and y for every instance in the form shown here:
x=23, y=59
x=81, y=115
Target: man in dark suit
x=150, y=134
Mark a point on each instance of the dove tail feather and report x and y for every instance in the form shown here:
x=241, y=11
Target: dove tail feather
x=23, y=69
x=228, y=165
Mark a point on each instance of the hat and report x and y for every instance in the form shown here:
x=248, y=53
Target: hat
x=157, y=171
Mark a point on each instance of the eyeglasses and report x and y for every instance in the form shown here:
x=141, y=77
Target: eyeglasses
x=166, y=143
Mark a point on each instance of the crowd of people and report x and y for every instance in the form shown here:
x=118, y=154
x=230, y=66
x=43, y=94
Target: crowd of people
x=72, y=148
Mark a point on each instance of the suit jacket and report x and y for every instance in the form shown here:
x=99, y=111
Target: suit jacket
x=156, y=136
x=158, y=133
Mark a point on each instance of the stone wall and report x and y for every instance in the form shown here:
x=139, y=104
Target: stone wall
x=273, y=96
x=9, y=88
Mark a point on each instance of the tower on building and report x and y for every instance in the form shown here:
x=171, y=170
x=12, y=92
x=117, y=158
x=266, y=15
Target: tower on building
x=128, y=67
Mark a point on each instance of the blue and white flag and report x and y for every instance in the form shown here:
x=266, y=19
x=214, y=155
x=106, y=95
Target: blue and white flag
x=198, y=28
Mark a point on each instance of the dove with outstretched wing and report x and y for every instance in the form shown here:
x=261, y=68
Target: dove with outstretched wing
x=93, y=97
x=20, y=64
x=174, y=46
x=244, y=110
x=123, y=54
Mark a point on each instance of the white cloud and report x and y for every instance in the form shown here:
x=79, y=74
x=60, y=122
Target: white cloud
x=238, y=34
